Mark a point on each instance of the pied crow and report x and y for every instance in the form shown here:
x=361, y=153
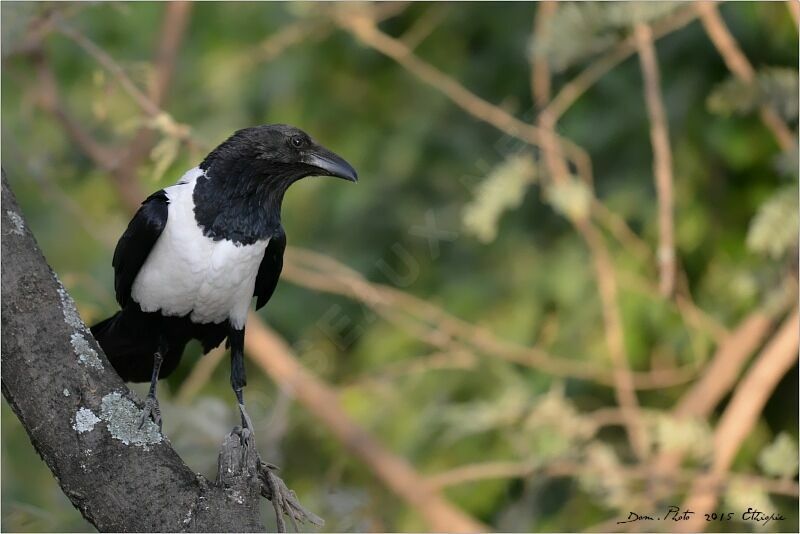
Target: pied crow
x=197, y=252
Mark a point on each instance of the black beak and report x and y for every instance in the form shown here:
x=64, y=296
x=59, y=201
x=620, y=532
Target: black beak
x=330, y=164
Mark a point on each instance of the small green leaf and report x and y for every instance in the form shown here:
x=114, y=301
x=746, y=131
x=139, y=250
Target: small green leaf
x=773, y=230
x=570, y=198
x=593, y=27
x=691, y=436
x=741, y=495
x=502, y=190
x=732, y=97
x=779, y=459
x=164, y=155
x=602, y=478
x=775, y=87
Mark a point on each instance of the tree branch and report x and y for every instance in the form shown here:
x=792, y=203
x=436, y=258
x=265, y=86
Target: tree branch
x=662, y=157
x=122, y=163
x=794, y=9
x=365, y=30
x=624, y=386
x=573, y=90
x=718, y=378
x=173, y=28
x=521, y=469
x=540, y=70
x=741, y=68
x=50, y=100
x=741, y=414
x=424, y=26
x=438, y=327
x=722, y=372
x=273, y=355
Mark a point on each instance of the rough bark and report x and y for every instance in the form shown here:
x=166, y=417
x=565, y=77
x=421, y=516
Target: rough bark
x=82, y=419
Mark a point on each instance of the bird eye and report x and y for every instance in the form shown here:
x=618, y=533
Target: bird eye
x=297, y=141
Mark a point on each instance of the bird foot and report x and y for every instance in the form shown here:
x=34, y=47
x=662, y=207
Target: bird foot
x=151, y=411
x=246, y=436
x=284, y=500
x=246, y=433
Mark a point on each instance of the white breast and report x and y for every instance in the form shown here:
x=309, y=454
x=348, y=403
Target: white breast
x=187, y=272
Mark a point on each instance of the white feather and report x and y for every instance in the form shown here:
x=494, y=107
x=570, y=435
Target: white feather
x=187, y=272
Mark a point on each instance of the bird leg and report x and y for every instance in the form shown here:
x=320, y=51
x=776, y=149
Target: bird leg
x=239, y=379
x=151, y=407
x=284, y=500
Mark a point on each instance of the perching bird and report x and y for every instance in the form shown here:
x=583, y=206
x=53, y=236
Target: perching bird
x=197, y=252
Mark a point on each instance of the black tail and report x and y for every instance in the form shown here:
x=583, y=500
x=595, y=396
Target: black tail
x=129, y=341
x=131, y=337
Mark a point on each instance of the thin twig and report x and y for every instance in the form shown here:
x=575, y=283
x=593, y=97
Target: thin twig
x=722, y=372
x=718, y=378
x=272, y=354
x=173, y=28
x=108, y=63
x=754, y=390
x=573, y=90
x=200, y=375
x=741, y=414
x=122, y=168
x=105, y=157
x=50, y=99
x=540, y=70
x=624, y=386
x=424, y=26
x=289, y=35
x=365, y=30
x=455, y=360
x=522, y=469
x=794, y=10
x=620, y=230
x=303, y=31
x=738, y=64
x=662, y=157
x=143, y=101
x=323, y=273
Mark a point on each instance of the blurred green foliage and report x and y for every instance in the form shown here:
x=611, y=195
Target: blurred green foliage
x=516, y=267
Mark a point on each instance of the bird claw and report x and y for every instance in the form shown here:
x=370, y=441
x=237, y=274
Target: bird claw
x=152, y=411
x=246, y=432
x=284, y=500
x=246, y=436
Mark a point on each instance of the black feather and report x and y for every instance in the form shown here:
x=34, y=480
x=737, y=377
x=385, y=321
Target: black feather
x=270, y=269
x=131, y=336
x=136, y=243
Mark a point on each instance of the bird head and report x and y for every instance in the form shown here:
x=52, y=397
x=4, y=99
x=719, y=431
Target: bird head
x=276, y=152
x=244, y=179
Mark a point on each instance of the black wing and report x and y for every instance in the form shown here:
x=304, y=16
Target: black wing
x=270, y=269
x=136, y=243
